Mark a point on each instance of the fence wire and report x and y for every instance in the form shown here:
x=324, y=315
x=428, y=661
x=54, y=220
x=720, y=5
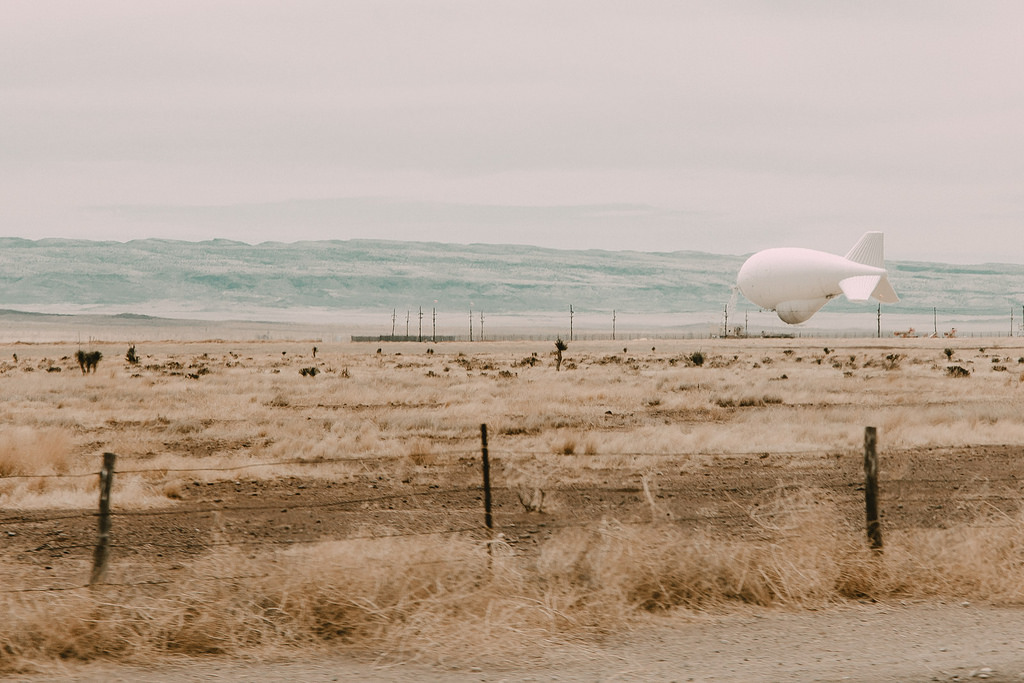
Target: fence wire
x=971, y=491
x=496, y=453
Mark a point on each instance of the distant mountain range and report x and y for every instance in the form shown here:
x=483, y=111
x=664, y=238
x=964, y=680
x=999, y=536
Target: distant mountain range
x=239, y=281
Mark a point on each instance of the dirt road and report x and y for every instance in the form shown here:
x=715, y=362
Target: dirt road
x=859, y=642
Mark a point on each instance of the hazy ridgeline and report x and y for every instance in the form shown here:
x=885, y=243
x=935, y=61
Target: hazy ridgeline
x=638, y=417
x=361, y=282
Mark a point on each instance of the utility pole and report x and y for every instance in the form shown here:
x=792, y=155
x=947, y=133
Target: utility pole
x=481, y=325
x=726, y=335
x=570, y=322
x=935, y=322
x=407, y=312
x=879, y=321
x=613, y=325
x=420, y=335
x=394, y=314
x=471, y=324
x=433, y=333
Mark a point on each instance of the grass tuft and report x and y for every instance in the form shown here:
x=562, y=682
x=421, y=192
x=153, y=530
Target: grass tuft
x=26, y=450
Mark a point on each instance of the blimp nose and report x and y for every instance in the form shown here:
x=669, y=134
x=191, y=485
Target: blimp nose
x=746, y=278
x=743, y=277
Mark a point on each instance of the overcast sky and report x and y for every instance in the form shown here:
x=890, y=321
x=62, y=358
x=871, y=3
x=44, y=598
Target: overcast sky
x=659, y=126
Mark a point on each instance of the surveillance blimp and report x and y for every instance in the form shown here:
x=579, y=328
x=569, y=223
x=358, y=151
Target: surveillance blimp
x=796, y=283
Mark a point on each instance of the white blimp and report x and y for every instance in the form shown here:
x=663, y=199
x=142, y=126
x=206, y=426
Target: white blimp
x=796, y=283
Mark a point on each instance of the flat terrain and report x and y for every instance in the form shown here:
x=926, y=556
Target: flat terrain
x=939, y=488
x=242, y=448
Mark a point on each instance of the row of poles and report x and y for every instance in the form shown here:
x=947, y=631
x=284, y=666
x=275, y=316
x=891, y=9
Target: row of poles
x=433, y=317
x=572, y=315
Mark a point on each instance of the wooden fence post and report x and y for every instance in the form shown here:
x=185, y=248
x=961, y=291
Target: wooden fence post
x=488, y=520
x=99, y=562
x=871, y=488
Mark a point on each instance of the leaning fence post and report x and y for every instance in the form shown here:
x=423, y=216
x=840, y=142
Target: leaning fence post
x=871, y=488
x=99, y=562
x=488, y=520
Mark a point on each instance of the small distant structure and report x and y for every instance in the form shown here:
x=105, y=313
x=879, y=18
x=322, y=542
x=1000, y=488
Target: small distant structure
x=402, y=338
x=906, y=334
x=951, y=334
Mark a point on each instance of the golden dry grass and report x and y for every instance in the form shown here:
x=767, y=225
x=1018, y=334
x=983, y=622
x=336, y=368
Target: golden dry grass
x=248, y=402
x=222, y=405
x=448, y=601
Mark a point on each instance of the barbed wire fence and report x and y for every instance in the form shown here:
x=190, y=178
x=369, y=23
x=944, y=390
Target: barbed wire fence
x=482, y=525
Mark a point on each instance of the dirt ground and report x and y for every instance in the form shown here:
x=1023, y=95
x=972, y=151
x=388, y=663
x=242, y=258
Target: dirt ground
x=860, y=642
x=935, y=487
x=414, y=490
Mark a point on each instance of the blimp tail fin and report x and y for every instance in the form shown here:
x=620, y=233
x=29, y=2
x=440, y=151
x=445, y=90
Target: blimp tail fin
x=860, y=288
x=884, y=292
x=868, y=251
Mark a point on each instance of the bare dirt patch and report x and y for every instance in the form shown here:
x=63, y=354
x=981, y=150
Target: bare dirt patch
x=936, y=488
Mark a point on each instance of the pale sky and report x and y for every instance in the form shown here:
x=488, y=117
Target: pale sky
x=658, y=126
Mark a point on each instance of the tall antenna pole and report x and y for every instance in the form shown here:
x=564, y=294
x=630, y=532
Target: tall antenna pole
x=394, y=314
x=879, y=321
x=726, y=335
x=421, y=325
x=481, y=325
x=935, y=322
x=433, y=333
x=570, y=322
x=407, y=311
x=613, y=325
x=471, y=324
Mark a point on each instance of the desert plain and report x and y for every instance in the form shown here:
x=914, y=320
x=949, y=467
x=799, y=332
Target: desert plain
x=301, y=503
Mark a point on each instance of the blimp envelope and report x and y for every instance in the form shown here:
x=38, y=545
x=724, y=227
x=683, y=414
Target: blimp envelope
x=796, y=283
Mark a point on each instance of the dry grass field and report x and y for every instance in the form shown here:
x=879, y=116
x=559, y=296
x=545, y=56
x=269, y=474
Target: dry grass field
x=261, y=508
